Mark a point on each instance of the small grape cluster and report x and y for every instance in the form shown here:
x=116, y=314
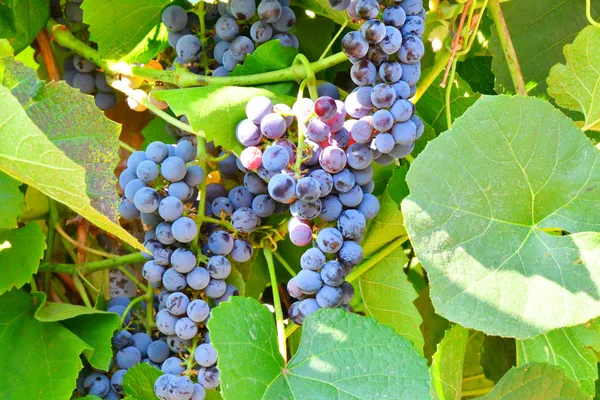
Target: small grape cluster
x=276, y=19
x=386, y=56
x=131, y=349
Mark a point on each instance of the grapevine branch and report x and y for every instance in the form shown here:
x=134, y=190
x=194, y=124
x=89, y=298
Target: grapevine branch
x=184, y=78
x=507, y=46
x=92, y=266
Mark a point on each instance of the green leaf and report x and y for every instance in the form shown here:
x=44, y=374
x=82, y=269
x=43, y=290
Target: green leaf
x=28, y=155
x=573, y=85
x=41, y=360
x=27, y=57
x=447, y=366
x=156, y=131
x=93, y=326
x=536, y=381
x=482, y=196
x=21, y=20
x=308, y=28
x=155, y=41
x=322, y=7
x=433, y=327
x=235, y=278
x=135, y=26
x=432, y=105
x=389, y=297
x=537, y=52
x=474, y=380
x=216, y=110
x=20, y=253
x=575, y=349
x=341, y=356
x=139, y=381
x=13, y=203
x=477, y=72
x=498, y=355
x=270, y=56
x=389, y=223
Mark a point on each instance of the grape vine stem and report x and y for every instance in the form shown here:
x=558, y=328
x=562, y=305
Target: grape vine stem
x=93, y=266
x=507, y=47
x=276, y=303
x=183, y=78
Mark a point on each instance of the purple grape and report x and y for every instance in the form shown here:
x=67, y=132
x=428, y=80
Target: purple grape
x=275, y=158
x=333, y=273
x=309, y=282
x=257, y=108
x=394, y=15
x=325, y=181
x=312, y=259
x=404, y=133
x=351, y=254
x=331, y=208
x=317, y=130
x=354, y=45
x=369, y=206
x=363, y=73
x=352, y=198
x=332, y=159
x=373, y=31
x=392, y=42
x=330, y=240
x=383, y=96
x=263, y=205
x=367, y=9
x=359, y=156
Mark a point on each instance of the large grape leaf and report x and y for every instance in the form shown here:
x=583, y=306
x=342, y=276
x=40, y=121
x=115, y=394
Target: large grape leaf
x=93, y=326
x=575, y=349
x=536, y=381
x=539, y=29
x=20, y=253
x=39, y=360
x=343, y=356
x=21, y=20
x=575, y=85
x=136, y=25
x=432, y=105
x=75, y=125
x=12, y=200
x=28, y=155
x=483, y=195
x=310, y=27
x=447, y=365
x=216, y=110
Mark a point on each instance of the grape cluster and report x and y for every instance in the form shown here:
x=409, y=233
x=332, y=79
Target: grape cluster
x=131, y=347
x=232, y=38
x=162, y=190
x=331, y=182
x=386, y=55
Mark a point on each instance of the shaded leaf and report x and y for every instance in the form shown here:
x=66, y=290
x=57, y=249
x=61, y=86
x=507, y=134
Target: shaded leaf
x=433, y=327
x=575, y=349
x=481, y=196
x=498, y=355
x=338, y=350
x=322, y=7
x=447, y=365
x=156, y=131
x=308, y=28
x=537, y=52
x=574, y=85
x=477, y=72
x=21, y=20
x=20, y=253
